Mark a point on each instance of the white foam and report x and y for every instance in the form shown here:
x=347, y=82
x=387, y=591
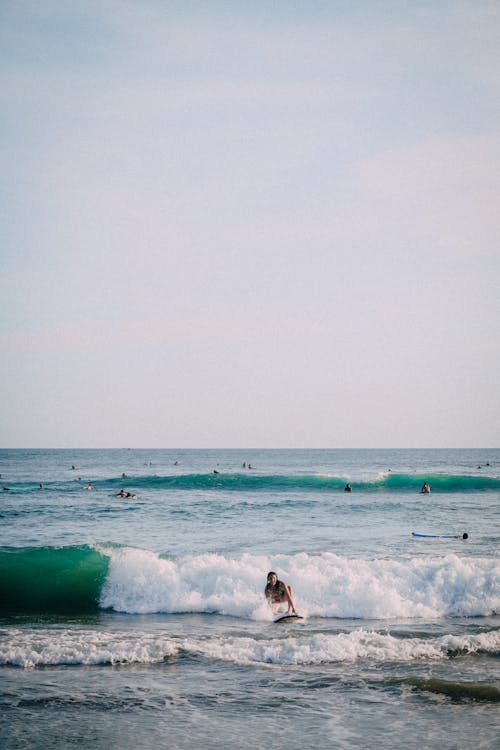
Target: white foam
x=325, y=585
x=34, y=648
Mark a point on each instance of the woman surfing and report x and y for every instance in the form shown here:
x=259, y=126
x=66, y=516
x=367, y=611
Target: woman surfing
x=277, y=591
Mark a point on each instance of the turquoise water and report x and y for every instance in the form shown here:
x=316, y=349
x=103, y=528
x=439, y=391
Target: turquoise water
x=141, y=621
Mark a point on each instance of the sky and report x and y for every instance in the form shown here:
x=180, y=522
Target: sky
x=250, y=224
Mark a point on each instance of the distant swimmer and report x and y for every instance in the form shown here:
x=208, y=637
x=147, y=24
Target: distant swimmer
x=124, y=476
x=348, y=488
x=215, y=471
x=122, y=493
x=88, y=487
x=425, y=488
x=277, y=591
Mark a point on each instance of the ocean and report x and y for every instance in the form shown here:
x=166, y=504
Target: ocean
x=137, y=622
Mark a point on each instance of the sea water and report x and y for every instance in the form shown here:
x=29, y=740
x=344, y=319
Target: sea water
x=141, y=621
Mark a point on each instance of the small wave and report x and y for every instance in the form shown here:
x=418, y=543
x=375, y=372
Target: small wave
x=32, y=648
x=41, y=648
x=358, y=645
x=458, y=691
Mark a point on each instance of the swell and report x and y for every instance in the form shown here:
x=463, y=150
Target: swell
x=386, y=482
x=46, y=580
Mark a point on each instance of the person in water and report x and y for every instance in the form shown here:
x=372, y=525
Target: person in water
x=348, y=488
x=277, y=591
x=425, y=488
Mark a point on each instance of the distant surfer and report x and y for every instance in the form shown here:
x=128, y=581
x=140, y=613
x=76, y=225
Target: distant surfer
x=348, y=488
x=277, y=591
x=425, y=488
x=122, y=493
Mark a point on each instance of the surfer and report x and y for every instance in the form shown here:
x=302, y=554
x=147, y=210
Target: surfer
x=425, y=488
x=348, y=488
x=277, y=591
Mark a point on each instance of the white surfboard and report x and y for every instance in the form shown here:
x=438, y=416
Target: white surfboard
x=285, y=616
x=440, y=536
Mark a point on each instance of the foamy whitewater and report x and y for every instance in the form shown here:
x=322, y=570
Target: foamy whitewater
x=140, y=621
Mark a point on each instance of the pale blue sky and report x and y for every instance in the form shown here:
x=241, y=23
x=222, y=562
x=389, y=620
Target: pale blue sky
x=250, y=224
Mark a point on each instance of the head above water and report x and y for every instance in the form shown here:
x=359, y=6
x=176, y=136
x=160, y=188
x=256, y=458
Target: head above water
x=272, y=577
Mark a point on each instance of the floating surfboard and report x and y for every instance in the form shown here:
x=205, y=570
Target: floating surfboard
x=286, y=616
x=441, y=536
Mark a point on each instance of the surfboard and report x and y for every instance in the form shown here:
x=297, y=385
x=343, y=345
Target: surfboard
x=285, y=616
x=440, y=536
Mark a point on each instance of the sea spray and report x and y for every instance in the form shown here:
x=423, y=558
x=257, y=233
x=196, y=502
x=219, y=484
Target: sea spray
x=325, y=585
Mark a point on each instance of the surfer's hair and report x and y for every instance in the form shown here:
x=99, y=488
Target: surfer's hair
x=271, y=573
